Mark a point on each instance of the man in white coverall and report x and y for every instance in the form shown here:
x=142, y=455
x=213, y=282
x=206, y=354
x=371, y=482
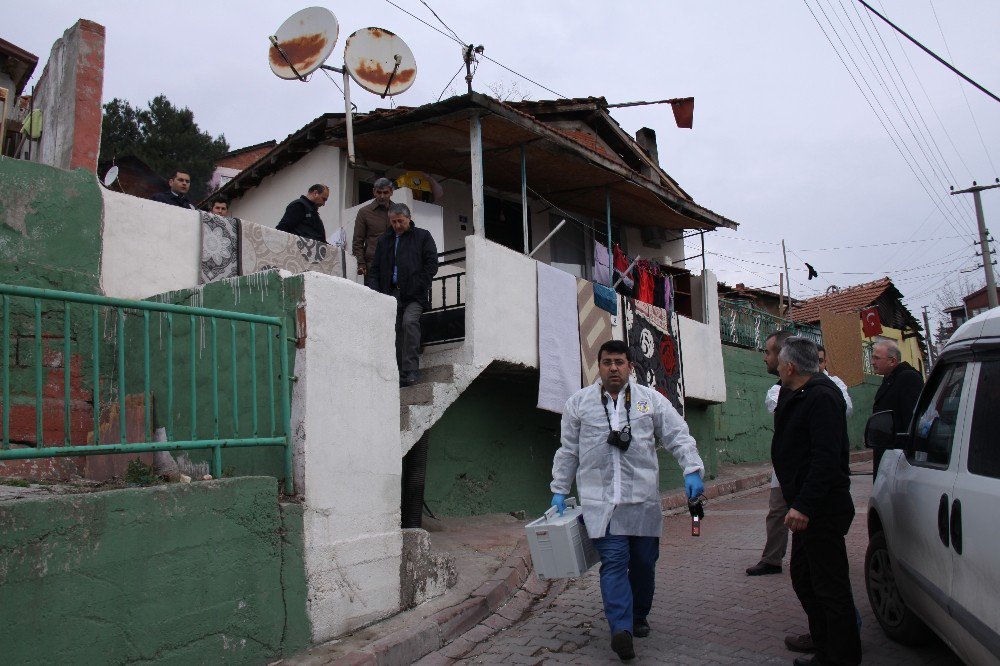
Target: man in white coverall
x=610, y=430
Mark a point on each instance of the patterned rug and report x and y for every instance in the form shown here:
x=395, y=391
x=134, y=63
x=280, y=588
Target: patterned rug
x=595, y=329
x=265, y=248
x=220, y=241
x=655, y=351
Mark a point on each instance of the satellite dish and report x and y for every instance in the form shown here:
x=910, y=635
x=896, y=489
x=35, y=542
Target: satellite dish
x=303, y=42
x=110, y=177
x=380, y=62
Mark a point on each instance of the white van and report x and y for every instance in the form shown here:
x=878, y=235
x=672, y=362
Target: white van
x=933, y=557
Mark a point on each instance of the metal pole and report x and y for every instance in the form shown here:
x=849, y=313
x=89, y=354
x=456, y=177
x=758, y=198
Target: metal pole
x=788, y=281
x=984, y=241
x=524, y=198
x=611, y=259
x=702, y=235
x=930, y=344
x=348, y=116
x=546, y=239
x=476, y=144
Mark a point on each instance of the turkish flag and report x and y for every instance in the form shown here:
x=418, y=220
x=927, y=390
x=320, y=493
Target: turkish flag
x=871, y=324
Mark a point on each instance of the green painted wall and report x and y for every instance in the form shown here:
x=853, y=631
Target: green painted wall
x=50, y=227
x=492, y=450
x=176, y=574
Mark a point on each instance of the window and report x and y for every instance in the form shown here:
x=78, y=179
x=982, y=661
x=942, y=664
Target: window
x=984, y=447
x=937, y=417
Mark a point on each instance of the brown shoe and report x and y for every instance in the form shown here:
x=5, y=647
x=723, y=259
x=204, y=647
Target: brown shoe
x=800, y=643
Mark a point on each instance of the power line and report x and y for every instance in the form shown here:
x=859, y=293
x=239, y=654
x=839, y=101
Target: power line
x=445, y=89
x=447, y=27
x=923, y=185
x=458, y=41
x=927, y=50
x=974, y=121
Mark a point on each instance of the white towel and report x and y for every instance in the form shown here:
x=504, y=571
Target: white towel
x=558, y=338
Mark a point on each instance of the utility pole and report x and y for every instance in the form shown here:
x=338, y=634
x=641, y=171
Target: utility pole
x=930, y=340
x=788, y=282
x=984, y=241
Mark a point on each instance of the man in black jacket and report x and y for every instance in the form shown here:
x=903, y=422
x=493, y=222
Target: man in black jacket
x=180, y=183
x=810, y=455
x=302, y=215
x=405, y=261
x=900, y=389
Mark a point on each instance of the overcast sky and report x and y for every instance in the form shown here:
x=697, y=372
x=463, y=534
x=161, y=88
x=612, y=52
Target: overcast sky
x=783, y=141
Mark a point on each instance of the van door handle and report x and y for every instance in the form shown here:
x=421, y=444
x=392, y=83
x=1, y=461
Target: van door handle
x=943, y=520
x=956, y=526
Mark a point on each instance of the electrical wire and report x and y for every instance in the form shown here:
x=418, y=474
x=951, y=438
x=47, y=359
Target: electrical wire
x=967, y=104
x=445, y=89
x=871, y=105
x=447, y=27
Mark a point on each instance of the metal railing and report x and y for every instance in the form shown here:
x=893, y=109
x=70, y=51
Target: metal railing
x=744, y=325
x=444, y=321
x=115, y=366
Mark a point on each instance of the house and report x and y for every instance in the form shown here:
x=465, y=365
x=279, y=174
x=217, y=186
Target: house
x=898, y=323
x=760, y=299
x=972, y=304
x=135, y=177
x=235, y=161
x=16, y=68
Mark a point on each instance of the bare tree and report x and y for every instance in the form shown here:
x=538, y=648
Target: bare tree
x=508, y=92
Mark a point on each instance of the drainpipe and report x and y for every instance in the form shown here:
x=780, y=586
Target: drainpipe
x=524, y=198
x=611, y=259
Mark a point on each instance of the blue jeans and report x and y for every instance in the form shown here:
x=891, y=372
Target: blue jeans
x=628, y=578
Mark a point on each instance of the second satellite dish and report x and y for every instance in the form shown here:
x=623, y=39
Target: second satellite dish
x=303, y=43
x=380, y=62
x=111, y=176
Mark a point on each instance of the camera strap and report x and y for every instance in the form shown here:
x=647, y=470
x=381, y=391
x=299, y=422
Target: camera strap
x=628, y=407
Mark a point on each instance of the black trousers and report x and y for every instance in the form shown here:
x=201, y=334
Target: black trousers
x=821, y=580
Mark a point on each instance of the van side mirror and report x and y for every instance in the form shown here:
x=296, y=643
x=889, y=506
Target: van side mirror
x=880, y=431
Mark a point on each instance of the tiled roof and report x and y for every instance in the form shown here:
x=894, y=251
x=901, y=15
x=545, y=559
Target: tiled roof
x=851, y=299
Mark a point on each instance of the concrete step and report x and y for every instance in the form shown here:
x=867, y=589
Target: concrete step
x=418, y=394
x=412, y=414
x=436, y=373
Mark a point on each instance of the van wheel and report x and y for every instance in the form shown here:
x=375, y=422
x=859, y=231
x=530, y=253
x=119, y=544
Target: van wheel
x=898, y=622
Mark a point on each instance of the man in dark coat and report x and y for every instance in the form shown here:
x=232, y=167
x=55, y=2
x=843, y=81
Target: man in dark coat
x=810, y=455
x=302, y=215
x=900, y=389
x=405, y=262
x=180, y=183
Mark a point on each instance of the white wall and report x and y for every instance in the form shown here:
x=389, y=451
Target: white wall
x=147, y=248
x=501, y=316
x=348, y=451
x=701, y=350
x=266, y=203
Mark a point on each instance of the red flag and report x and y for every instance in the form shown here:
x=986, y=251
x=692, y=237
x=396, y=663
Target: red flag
x=683, y=112
x=871, y=324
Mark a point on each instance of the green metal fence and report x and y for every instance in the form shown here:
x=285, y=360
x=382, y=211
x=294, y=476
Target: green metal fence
x=744, y=325
x=113, y=338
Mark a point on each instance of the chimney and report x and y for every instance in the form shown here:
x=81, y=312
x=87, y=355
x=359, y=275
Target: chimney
x=646, y=138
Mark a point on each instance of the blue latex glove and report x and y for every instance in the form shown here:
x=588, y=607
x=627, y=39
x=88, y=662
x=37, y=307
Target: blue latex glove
x=693, y=485
x=559, y=501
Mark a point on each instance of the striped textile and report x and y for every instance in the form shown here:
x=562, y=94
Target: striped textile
x=595, y=329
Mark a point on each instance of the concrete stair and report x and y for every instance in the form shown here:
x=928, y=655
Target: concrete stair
x=438, y=386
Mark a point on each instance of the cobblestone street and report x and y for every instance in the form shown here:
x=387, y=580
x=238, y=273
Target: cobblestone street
x=706, y=609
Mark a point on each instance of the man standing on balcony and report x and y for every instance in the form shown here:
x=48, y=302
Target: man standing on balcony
x=302, y=218
x=179, y=184
x=405, y=262
x=900, y=389
x=372, y=221
x=617, y=477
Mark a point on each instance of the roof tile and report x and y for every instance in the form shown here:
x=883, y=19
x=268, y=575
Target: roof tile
x=851, y=299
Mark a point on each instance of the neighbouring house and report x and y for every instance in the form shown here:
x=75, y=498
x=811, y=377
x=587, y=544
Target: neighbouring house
x=898, y=323
x=135, y=177
x=972, y=304
x=16, y=68
x=760, y=299
x=230, y=164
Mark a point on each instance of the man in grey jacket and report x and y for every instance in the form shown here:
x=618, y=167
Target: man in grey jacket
x=610, y=431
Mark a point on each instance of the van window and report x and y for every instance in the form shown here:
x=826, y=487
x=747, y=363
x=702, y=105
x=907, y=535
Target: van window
x=936, y=418
x=984, y=445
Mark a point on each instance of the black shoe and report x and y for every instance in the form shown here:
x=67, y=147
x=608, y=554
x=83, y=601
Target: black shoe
x=800, y=643
x=408, y=379
x=641, y=628
x=621, y=643
x=763, y=569
x=807, y=661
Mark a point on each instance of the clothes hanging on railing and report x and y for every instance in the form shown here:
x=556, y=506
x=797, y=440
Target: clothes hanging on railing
x=602, y=270
x=627, y=286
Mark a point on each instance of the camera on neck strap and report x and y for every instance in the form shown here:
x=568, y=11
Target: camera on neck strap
x=620, y=438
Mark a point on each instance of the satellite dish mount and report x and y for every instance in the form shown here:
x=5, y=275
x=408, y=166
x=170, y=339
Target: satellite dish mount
x=377, y=60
